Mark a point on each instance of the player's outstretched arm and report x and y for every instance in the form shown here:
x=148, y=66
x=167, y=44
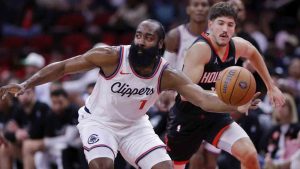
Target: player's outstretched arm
x=98, y=57
x=247, y=50
x=208, y=101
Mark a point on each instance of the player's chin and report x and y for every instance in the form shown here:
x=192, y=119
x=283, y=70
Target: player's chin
x=199, y=19
x=222, y=43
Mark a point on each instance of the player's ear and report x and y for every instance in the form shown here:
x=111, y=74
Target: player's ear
x=210, y=22
x=160, y=43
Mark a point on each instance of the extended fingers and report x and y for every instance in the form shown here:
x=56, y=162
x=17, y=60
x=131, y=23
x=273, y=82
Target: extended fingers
x=256, y=101
x=254, y=104
x=256, y=95
x=281, y=101
x=3, y=93
x=278, y=101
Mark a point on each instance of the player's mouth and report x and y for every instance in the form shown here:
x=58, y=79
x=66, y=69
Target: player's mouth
x=224, y=36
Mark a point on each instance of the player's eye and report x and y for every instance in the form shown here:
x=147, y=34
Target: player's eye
x=221, y=23
x=149, y=38
x=231, y=25
x=138, y=36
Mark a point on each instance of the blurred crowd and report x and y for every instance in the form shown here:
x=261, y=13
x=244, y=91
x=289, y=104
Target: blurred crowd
x=41, y=124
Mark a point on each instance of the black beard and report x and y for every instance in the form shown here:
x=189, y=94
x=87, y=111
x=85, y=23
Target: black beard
x=140, y=56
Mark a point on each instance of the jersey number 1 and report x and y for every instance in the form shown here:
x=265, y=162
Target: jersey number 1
x=143, y=102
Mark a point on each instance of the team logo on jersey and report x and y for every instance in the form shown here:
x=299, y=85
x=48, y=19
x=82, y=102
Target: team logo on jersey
x=243, y=84
x=216, y=61
x=93, y=139
x=124, y=73
x=209, y=77
x=125, y=90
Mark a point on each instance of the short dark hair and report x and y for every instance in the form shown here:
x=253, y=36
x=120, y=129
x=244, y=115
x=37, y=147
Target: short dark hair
x=160, y=31
x=59, y=92
x=188, y=2
x=222, y=9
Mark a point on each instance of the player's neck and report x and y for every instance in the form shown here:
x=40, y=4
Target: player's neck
x=196, y=28
x=220, y=50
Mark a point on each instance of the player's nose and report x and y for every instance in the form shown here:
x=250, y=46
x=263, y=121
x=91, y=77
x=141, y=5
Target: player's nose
x=225, y=28
x=141, y=42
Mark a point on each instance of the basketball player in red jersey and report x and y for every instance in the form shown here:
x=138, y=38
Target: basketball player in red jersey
x=131, y=78
x=207, y=57
x=178, y=40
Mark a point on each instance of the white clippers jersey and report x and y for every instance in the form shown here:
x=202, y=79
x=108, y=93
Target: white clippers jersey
x=124, y=97
x=186, y=40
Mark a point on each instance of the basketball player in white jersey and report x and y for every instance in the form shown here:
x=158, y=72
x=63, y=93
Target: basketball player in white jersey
x=178, y=41
x=129, y=82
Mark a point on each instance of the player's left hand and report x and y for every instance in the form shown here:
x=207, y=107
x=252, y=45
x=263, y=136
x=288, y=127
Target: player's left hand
x=252, y=104
x=276, y=96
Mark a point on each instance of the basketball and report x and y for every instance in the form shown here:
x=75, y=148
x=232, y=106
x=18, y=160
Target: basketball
x=235, y=86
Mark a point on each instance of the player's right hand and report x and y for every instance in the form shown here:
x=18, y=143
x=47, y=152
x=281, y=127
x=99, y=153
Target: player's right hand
x=14, y=89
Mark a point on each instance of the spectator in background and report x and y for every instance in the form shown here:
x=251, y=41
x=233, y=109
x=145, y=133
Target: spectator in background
x=128, y=16
x=26, y=123
x=20, y=19
x=285, y=128
x=61, y=136
x=164, y=11
x=291, y=84
x=7, y=109
x=33, y=63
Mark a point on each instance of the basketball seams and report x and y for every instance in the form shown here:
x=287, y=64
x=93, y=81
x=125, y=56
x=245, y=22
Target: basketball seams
x=221, y=84
x=249, y=86
x=232, y=91
x=239, y=88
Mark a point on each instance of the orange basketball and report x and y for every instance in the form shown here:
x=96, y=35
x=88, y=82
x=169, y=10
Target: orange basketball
x=235, y=86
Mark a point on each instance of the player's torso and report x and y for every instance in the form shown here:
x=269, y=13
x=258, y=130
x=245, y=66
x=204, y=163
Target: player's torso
x=215, y=65
x=124, y=97
x=186, y=40
x=209, y=76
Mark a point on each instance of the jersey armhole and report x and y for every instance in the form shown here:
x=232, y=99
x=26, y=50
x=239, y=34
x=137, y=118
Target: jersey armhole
x=232, y=47
x=160, y=77
x=121, y=55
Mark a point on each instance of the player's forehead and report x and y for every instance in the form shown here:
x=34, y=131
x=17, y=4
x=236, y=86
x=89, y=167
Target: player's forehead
x=193, y=2
x=226, y=19
x=148, y=28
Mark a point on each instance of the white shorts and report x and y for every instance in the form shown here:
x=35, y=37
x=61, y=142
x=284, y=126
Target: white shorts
x=138, y=143
x=211, y=148
x=232, y=134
